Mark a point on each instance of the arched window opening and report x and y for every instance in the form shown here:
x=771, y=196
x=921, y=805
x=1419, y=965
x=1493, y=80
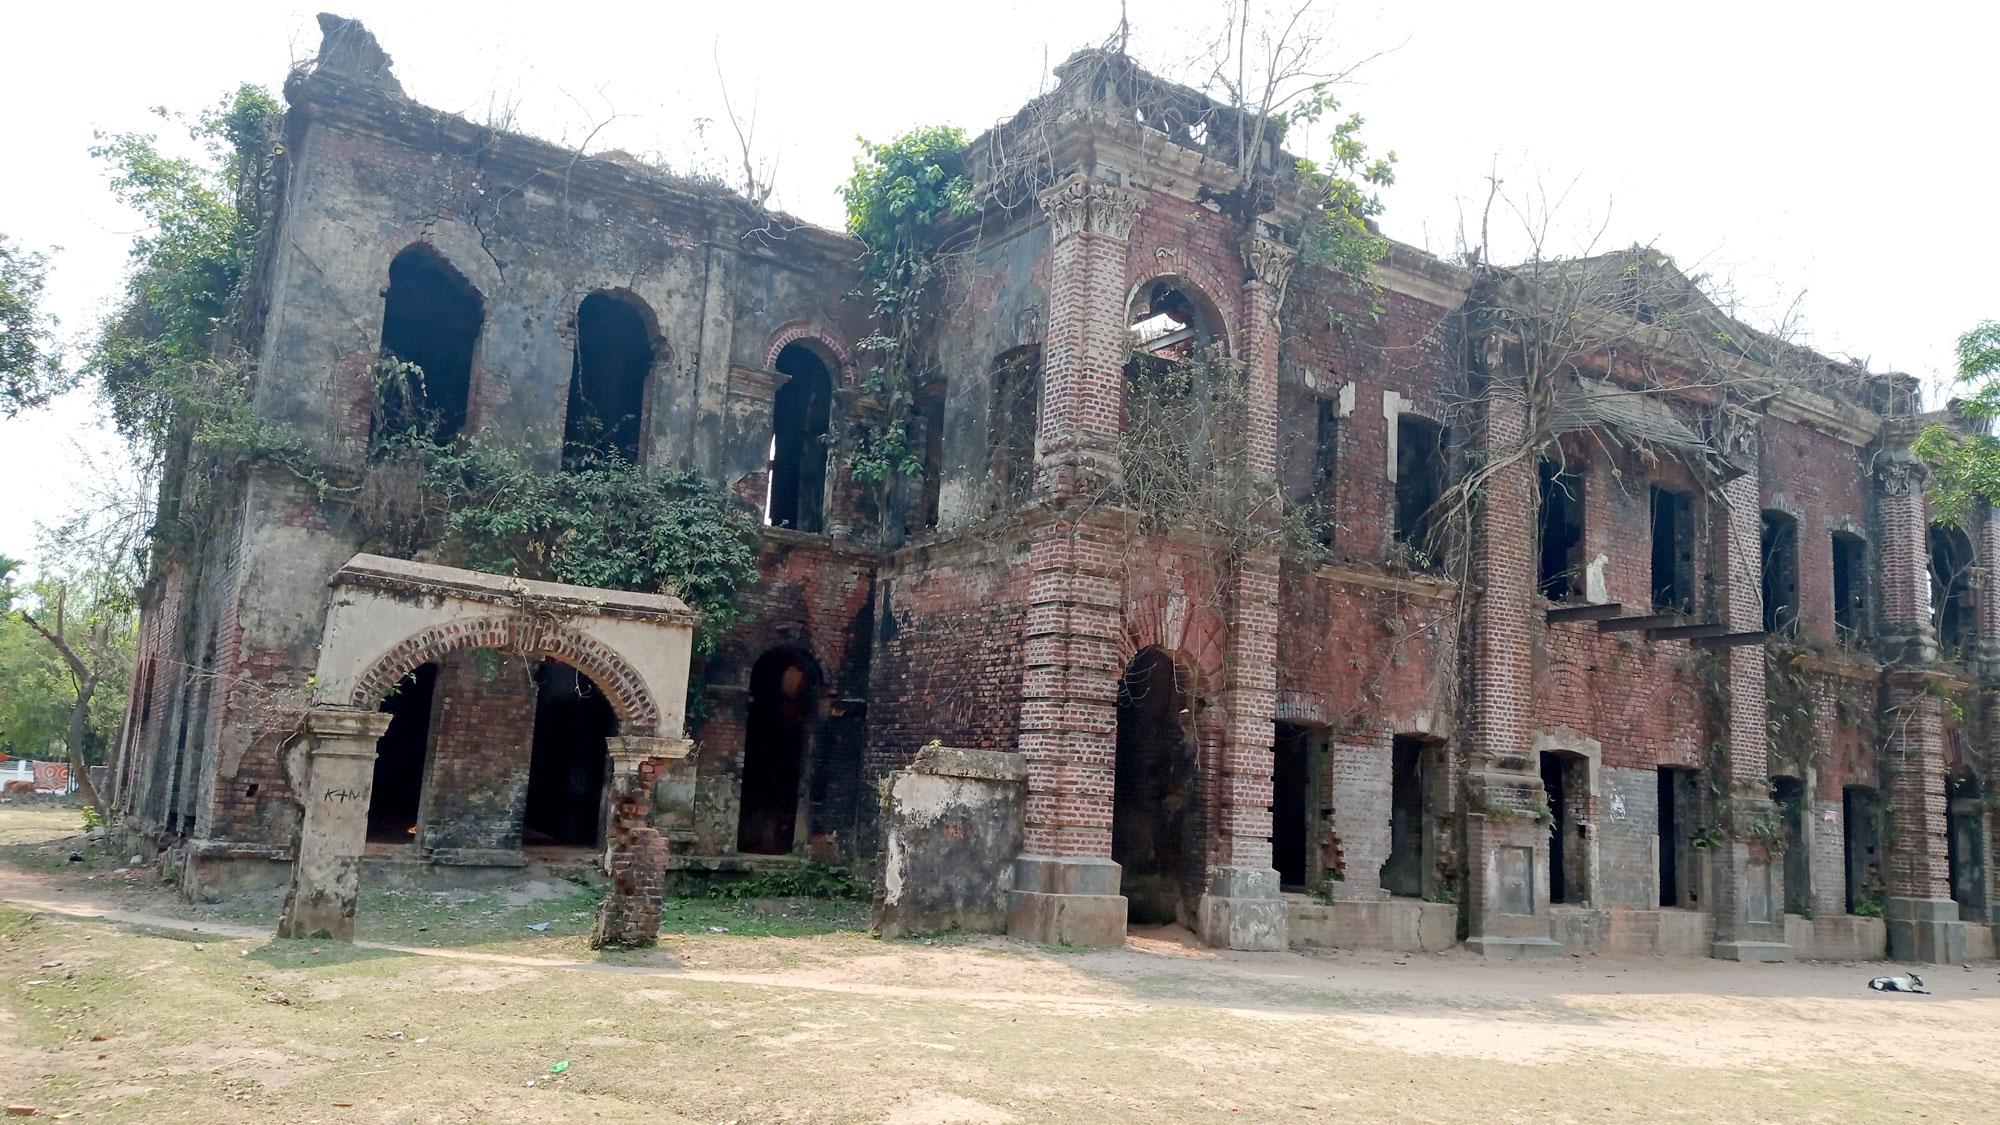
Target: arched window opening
x=1170, y=320
x=568, y=761
x=402, y=757
x=777, y=727
x=1952, y=560
x=800, y=417
x=431, y=319
x=607, y=385
x=1011, y=418
x=1153, y=791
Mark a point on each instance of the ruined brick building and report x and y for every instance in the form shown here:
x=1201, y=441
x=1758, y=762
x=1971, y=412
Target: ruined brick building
x=1687, y=666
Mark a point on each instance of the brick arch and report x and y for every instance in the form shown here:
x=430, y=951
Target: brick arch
x=522, y=634
x=824, y=339
x=1184, y=269
x=1190, y=635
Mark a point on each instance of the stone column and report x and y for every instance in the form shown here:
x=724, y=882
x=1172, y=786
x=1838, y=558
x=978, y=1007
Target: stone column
x=1922, y=919
x=326, y=854
x=1506, y=845
x=1748, y=896
x=635, y=853
x=1065, y=882
x=1241, y=908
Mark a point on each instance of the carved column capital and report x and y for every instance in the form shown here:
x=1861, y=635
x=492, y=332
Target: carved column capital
x=1269, y=260
x=1079, y=204
x=1900, y=476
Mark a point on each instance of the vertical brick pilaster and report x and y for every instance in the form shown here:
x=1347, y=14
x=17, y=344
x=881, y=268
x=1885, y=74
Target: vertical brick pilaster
x=1501, y=689
x=1903, y=553
x=1913, y=760
x=1083, y=383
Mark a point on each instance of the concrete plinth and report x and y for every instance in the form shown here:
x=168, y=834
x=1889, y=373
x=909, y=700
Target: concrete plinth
x=1766, y=952
x=1925, y=931
x=326, y=863
x=1066, y=901
x=1512, y=948
x=1242, y=910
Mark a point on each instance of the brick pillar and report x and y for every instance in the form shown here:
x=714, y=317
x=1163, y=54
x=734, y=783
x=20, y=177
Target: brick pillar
x=1241, y=908
x=1922, y=918
x=1065, y=883
x=1748, y=899
x=1505, y=844
x=635, y=853
x=326, y=854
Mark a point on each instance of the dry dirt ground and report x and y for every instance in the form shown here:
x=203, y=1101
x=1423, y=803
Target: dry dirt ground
x=119, y=1004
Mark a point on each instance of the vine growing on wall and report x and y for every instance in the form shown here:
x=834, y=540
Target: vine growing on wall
x=900, y=201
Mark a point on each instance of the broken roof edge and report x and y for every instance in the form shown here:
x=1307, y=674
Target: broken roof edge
x=351, y=80
x=391, y=574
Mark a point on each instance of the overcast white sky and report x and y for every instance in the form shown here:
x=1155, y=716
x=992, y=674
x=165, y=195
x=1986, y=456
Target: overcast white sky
x=1831, y=150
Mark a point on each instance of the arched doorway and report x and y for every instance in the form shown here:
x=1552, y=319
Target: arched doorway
x=801, y=418
x=777, y=726
x=566, y=766
x=1153, y=794
x=402, y=757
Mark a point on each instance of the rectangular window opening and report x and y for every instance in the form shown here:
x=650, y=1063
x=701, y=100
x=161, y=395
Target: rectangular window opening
x=1673, y=551
x=1779, y=560
x=1560, y=532
x=1419, y=483
x=1850, y=588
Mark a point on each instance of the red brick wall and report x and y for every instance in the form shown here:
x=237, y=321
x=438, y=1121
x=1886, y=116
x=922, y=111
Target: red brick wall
x=482, y=732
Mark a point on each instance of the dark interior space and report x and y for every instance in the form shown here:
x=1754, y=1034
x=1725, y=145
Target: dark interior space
x=1560, y=532
x=400, y=757
x=1292, y=806
x=1789, y=793
x=1011, y=421
x=1403, y=871
x=1951, y=590
x=1778, y=556
x=776, y=726
x=1965, y=845
x=607, y=384
x=1862, y=817
x=1850, y=587
x=1673, y=551
x=431, y=319
x=1153, y=790
x=566, y=768
x=930, y=407
x=800, y=419
x=1419, y=483
x=1562, y=781
x=1671, y=820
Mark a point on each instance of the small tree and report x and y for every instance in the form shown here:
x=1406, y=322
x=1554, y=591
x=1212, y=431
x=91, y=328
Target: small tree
x=30, y=367
x=86, y=622
x=1965, y=468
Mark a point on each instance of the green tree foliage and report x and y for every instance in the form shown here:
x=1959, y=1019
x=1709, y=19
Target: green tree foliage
x=898, y=202
x=38, y=689
x=156, y=358
x=30, y=363
x=1343, y=237
x=603, y=522
x=1966, y=470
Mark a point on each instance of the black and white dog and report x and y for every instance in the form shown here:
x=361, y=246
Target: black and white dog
x=1911, y=983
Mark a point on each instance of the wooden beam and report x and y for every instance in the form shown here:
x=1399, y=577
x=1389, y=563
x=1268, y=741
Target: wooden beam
x=1730, y=640
x=1584, y=612
x=1649, y=621
x=1690, y=632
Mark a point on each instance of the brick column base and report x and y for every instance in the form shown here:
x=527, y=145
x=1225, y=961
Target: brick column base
x=1066, y=900
x=635, y=853
x=1924, y=930
x=1506, y=849
x=326, y=858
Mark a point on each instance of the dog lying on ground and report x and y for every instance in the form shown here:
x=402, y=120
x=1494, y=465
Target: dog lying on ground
x=1911, y=983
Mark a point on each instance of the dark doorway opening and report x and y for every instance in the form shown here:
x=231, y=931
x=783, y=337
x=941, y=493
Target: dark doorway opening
x=567, y=765
x=1861, y=816
x=1292, y=804
x=1561, y=532
x=1564, y=784
x=1850, y=587
x=1780, y=558
x=930, y=406
x=776, y=726
x=1153, y=788
x=1673, y=551
x=401, y=755
x=1403, y=871
x=1789, y=793
x=607, y=383
x=1965, y=846
x=1678, y=792
x=430, y=327
x=800, y=419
